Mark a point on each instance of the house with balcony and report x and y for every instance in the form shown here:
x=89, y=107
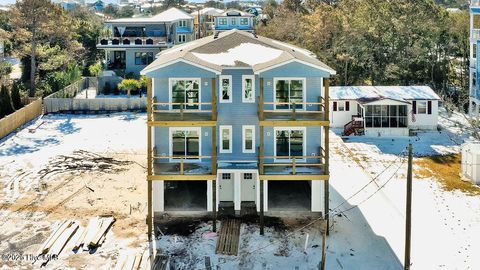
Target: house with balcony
x=132, y=43
x=204, y=20
x=234, y=19
x=238, y=123
x=383, y=110
x=474, y=91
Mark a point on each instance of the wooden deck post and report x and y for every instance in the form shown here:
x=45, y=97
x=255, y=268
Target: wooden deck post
x=261, y=172
x=260, y=101
x=214, y=172
x=149, y=159
x=327, y=154
x=214, y=99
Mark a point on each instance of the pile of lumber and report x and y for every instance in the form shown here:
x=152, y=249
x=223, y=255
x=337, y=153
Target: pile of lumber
x=58, y=240
x=133, y=261
x=89, y=237
x=94, y=234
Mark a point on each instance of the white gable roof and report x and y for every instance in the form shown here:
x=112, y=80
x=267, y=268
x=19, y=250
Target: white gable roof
x=401, y=93
x=169, y=15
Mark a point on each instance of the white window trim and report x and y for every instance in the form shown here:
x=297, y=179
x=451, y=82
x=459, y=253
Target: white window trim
x=220, y=20
x=426, y=107
x=243, y=88
x=243, y=19
x=170, y=83
x=230, y=140
x=341, y=104
x=233, y=21
x=229, y=77
x=244, y=128
x=304, y=93
x=184, y=38
x=275, y=129
x=170, y=142
x=182, y=23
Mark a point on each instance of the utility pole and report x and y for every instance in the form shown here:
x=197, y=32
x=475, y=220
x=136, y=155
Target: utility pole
x=324, y=250
x=408, y=223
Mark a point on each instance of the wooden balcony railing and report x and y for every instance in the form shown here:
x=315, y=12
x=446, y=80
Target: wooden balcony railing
x=291, y=164
x=182, y=165
x=309, y=110
x=133, y=41
x=185, y=112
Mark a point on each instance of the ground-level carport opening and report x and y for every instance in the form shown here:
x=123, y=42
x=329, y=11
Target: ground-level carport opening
x=185, y=195
x=289, y=195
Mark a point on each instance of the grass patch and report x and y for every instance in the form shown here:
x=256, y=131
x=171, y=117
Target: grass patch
x=445, y=169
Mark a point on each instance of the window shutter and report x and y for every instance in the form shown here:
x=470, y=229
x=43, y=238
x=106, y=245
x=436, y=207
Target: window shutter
x=429, y=107
x=347, y=106
x=414, y=107
x=334, y=106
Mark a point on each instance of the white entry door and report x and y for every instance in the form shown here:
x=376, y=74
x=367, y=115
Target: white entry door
x=248, y=181
x=226, y=187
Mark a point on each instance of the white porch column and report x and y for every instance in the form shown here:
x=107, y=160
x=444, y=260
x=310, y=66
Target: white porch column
x=257, y=190
x=265, y=195
x=317, y=196
x=210, y=196
x=237, y=191
x=158, y=199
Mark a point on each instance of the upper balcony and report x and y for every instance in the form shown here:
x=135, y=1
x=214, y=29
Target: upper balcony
x=190, y=113
x=292, y=112
x=293, y=167
x=115, y=42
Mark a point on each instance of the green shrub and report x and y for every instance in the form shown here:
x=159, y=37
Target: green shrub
x=96, y=69
x=5, y=102
x=15, y=95
x=129, y=85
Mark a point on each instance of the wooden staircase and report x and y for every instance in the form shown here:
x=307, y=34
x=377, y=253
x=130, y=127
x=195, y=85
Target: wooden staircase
x=353, y=127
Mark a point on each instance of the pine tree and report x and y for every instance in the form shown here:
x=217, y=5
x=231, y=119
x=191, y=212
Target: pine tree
x=15, y=95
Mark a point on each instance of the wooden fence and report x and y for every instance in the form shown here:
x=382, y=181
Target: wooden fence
x=65, y=101
x=19, y=118
x=53, y=105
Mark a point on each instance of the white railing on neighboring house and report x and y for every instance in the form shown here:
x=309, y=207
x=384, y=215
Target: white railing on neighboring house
x=132, y=41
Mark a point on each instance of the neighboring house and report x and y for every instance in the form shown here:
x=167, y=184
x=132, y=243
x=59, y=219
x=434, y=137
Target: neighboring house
x=234, y=120
x=234, y=19
x=204, y=21
x=2, y=47
x=255, y=10
x=474, y=51
x=69, y=4
x=98, y=6
x=383, y=110
x=471, y=162
x=134, y=42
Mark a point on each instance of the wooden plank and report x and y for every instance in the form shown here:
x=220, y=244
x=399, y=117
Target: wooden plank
x=82, y=231
x=185, y=177
x=106, y=223
x=294, y=177
x=92, y=229
x=294, y=123
x=183, y=123
x=138, y=261
x=53, y=237
x=129, y=262
x=62, y=241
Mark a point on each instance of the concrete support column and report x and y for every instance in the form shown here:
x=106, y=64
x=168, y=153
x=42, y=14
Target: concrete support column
x=265, y=195
x=158, y=196
x=210, y=196
x=257, y=190
x=317, y=196
x=237, y=191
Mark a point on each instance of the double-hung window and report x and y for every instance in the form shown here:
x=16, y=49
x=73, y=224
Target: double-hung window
x=289, y=143
x=421, y=107
x=225, y=89
x=182, y=38
x=185, y=92
x=248, y=88
x=222, y=21
x=243, y=21
x=182, y=23
x=289, y=93
x=185, y=143
x=248, y=141
x=225, y=139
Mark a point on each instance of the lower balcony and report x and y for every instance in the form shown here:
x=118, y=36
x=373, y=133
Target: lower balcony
x=183, y=167
x=293, y=168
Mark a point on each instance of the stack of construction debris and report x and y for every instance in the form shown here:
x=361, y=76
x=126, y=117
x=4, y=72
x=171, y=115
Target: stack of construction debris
x=89, y=237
